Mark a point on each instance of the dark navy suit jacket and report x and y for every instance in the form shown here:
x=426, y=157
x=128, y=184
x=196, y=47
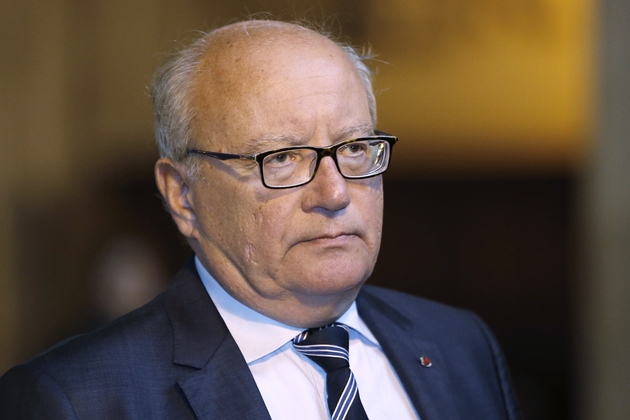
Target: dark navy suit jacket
x=175, y=359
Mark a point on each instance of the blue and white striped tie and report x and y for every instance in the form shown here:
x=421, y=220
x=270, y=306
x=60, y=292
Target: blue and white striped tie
x=328, y=347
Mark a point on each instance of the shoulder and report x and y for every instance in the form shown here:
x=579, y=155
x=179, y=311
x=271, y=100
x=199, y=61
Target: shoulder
x=462, y=337
x=141, y=334
x=72, y=376
x=127, y=364
x=420, y=311
x=475, y=365
x=142, y=337
x=454, y=328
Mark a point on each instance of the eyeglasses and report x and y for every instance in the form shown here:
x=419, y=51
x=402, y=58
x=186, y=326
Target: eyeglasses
x=288, y=167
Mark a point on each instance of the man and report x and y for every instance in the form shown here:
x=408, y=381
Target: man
x=271, y=168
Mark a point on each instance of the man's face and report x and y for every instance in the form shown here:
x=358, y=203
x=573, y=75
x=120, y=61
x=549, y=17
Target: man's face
x=307, y=246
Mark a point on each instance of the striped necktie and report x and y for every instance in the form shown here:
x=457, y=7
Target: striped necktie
x=328, y=347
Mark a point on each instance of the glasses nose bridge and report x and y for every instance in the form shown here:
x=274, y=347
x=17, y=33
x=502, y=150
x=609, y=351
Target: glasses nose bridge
x=326, y=152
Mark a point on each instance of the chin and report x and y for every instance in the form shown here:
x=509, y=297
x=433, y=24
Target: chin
x=334, y=280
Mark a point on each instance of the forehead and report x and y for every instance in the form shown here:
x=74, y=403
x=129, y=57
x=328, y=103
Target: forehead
x=276, y=83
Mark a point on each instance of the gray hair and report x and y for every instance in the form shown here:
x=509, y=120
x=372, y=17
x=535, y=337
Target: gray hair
x=173, y=87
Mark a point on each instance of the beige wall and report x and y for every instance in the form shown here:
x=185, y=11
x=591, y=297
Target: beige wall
x=74, y=104
x=486, y=85
x=34, y=167
x=604, y=300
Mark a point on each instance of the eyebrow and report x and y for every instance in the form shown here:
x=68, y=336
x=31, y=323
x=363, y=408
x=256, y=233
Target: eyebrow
x=271, y=141
x=360, y=130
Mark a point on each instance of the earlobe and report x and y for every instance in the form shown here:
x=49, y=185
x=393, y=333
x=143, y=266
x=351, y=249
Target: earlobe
x=173, y=186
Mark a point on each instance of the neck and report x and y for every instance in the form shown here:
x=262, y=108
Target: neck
x=297, y=310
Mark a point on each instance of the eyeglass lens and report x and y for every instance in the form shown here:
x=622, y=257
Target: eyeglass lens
x=358, y=159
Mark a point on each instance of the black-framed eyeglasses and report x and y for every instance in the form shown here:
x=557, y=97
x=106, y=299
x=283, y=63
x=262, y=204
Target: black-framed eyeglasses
x=288, y=167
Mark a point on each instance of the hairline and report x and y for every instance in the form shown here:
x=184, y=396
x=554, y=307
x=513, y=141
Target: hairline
x=175, y=83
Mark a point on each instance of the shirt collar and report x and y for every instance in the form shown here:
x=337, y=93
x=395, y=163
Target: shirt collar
x=256, y=334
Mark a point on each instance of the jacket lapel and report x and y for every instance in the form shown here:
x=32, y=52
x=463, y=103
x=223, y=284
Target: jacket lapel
x=427, y=387
x=224, y=388
x=221, y=384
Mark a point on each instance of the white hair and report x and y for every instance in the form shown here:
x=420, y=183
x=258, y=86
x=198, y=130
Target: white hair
x=173, y=87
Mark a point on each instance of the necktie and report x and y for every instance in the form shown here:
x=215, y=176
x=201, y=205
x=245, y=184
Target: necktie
x=328, y=347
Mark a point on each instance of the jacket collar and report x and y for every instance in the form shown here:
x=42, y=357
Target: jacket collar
x=220, y=384
x=427, y=387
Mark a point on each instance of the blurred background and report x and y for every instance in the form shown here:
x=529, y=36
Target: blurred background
x=509, y=193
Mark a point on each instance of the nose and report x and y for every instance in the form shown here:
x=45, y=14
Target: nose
x=328, y=190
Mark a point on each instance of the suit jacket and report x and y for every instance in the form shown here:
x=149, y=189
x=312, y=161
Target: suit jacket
x=174, y=358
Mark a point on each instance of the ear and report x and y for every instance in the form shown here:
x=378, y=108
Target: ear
x=173, y=185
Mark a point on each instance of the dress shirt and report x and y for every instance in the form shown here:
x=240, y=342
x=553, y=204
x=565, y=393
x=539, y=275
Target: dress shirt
x=289, y=382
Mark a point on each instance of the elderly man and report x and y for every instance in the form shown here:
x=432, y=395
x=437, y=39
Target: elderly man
x=271, y=168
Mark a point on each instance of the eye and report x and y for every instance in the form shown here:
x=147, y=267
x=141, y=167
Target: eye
x=281, y=159
x=352, y=149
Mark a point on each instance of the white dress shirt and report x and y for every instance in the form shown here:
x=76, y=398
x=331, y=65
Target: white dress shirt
x=292, y=385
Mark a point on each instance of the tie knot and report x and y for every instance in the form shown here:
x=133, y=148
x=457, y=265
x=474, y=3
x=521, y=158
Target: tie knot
x=327, y=346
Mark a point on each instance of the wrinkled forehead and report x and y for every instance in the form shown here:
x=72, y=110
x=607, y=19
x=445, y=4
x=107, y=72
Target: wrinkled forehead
x=244, y=61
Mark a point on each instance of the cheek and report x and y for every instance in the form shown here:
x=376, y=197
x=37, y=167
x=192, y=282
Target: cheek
x=370, y=202
x=271, y=226
x=224, y=214
x=256, y=231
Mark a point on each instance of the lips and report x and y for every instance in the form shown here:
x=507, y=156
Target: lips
x=335, y=232
x=331, y=239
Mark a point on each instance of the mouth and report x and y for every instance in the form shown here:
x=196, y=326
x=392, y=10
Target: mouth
x=331, y=240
